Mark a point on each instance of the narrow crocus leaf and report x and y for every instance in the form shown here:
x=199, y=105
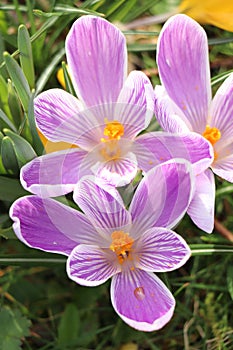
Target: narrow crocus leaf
x=230, y=280
x=67, y=80
x=4, y=95
x=19, y=80
x=6, y=120
x=25, y=52
x=8, y=155
x=36, y=141
x=23, y=150
x=14, y=104
x=69, y=326
x=2, y=168
x=44, y=77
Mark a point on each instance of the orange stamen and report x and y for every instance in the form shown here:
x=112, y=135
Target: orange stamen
x=113, y=130
x=121, y=245
x=213, y=135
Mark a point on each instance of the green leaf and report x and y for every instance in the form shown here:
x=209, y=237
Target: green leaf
x=68, y=82
x=50, y=22
x=230, y=280
x=4, y=94
x=36, y=141
x=210, y=249
x=19, y=80
x=11, y=189
x=14, y=326
x=49, y=70
x=141, y=47
x=6, y=120
x=25, y=52
x=7, y=233
x=61, y=10
x=14, y=105
x=69, y=326
x=2, y=168
x=23, y=150
x=220, y=77
x=31, y=259
x=9, y=159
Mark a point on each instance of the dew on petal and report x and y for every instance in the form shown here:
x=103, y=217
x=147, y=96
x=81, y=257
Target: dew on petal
x=139, y=293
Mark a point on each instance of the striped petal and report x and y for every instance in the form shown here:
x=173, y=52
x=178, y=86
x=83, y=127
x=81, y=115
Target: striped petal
x=162, y=197
x=135, y=104
x=183, y=62
x=51, y=226
x=142, y=300
x=96, y=55
x=201, y=208
x=53, y=174
x=161, y=250
x=105, y=209
x=91, y=266
x=158, y=147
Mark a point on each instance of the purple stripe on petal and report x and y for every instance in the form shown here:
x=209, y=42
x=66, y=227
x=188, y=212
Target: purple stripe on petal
x=223, y=165
x=142, y=300
x=158, y=147
x=53, y=174
x=162, y=197
x=201, y=208
x=91, y=266
x=104, y=209
x=161, y=250
x=56, y=115
x=183, y=62
x=135, y=105
x=49, y=225
x=169, y=115
x=221, y=112
x=96, y=55
x=118, y=172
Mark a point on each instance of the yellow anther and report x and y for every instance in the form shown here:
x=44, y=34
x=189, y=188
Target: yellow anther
x=113, y=130
x=212, y=134
x=121, y=245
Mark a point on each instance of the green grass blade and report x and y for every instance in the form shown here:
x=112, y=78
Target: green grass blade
x=9, y=159
x=19, y=80
x=68, y=82
x=23, y=150
x=7, y=121
x=49, y=70
x=36, y=141
x=25, y=55
x=14, y=105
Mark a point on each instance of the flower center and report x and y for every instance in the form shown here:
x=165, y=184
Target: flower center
x=121, y=245
x=111, y=150
x=212, y=134
x=113, y=130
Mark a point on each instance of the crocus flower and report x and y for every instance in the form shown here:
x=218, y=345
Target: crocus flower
x=183, y=104
x=104, y=120
x=106, y=240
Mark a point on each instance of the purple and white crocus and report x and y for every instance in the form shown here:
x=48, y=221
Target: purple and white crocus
x=104, y=121
x=183, y=105
x=108, y=241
